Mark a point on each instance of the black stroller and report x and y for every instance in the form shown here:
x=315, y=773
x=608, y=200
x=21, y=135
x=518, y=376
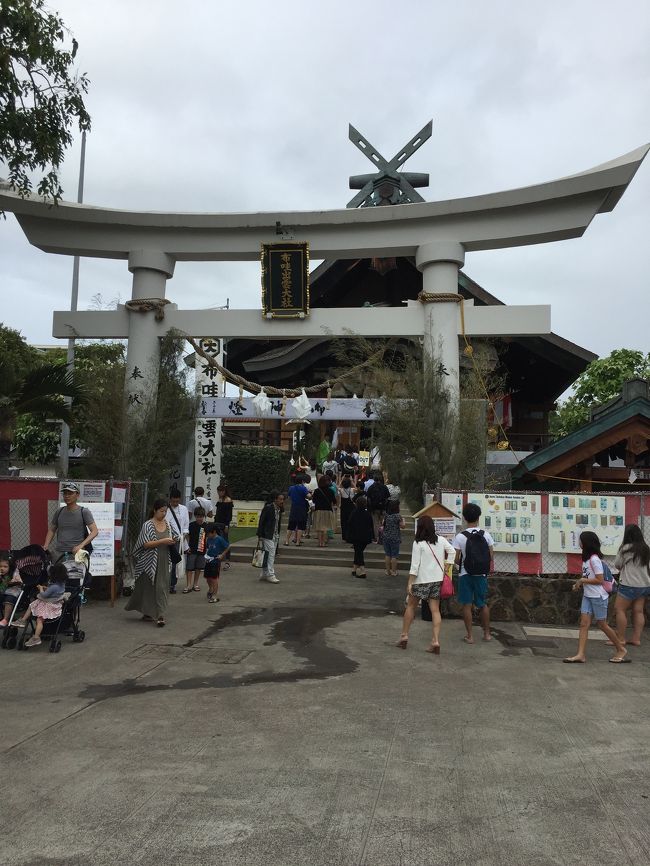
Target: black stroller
x=68, y=622
x=31, y=563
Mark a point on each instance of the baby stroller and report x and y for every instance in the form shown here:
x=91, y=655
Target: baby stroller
x=68, y=622
x=31, y=562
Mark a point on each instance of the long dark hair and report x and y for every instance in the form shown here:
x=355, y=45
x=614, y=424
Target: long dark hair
x=633, y=537
x=426, y=530
x=590, y=544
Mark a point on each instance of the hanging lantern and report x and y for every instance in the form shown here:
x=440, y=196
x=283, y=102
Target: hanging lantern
x=503, y=445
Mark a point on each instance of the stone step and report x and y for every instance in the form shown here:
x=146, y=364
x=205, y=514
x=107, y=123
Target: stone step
x=334, y=555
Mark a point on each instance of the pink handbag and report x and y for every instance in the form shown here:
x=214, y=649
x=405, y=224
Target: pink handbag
x=447, y=587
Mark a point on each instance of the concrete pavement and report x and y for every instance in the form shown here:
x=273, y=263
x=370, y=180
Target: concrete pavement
x=281, y=726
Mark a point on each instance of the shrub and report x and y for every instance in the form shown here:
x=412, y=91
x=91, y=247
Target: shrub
x=251, y=472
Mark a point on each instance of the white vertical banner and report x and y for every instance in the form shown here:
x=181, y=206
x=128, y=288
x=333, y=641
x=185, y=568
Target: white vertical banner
x=210, y=384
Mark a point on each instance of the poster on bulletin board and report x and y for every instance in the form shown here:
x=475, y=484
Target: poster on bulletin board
x=513, y=520
x=571, y=514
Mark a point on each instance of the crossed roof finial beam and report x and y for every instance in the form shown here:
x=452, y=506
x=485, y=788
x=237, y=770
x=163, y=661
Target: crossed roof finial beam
x=404, y=183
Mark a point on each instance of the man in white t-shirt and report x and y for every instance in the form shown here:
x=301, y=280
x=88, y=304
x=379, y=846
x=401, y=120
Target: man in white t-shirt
x=179, y=519
x=200, y=500
x=331, y=465
x=473, y=583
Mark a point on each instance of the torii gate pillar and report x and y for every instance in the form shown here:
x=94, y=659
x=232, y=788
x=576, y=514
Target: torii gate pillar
x=151, y=269
x=439, y=263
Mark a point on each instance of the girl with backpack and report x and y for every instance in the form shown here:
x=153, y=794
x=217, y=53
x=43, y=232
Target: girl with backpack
x=594, y=601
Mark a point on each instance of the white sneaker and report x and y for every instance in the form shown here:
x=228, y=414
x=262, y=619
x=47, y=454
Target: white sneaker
x=272, y=579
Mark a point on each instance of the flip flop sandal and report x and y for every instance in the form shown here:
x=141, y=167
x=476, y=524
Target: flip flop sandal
x=434, y=649
x=623, y=661
x=402, y=643
x=196, y=588
x=574, y=661
x=185, y=591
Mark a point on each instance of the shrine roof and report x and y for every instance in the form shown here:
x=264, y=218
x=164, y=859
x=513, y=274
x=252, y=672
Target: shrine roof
x=608, y=424
x=354, y=282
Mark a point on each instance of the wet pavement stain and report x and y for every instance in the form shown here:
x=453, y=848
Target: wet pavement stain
x=511, y=644
x=299, y=630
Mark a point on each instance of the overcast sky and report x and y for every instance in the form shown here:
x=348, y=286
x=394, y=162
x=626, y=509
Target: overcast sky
x=231, y=106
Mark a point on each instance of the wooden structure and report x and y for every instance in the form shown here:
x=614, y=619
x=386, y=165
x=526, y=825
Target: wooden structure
x=610, y=451
x=536, y=369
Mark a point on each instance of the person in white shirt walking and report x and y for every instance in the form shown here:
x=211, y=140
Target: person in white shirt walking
x=430, y=554
x=200, y=501
x=179, y=519
x=475, y=556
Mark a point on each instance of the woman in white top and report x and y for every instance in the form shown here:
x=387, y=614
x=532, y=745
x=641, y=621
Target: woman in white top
x=430, y=554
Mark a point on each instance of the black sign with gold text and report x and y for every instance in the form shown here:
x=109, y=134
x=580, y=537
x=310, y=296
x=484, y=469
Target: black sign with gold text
x=285, y=280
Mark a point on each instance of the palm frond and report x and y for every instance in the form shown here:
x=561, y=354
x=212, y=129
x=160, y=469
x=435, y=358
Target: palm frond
x=42, y=390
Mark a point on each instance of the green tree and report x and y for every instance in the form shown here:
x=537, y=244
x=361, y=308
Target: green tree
x=157, y=434
x=29, y=387
x=422, y=441
x=41, y=95
x=602, y=380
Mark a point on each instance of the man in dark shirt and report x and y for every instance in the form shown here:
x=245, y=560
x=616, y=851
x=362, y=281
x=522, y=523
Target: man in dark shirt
x=268, y=532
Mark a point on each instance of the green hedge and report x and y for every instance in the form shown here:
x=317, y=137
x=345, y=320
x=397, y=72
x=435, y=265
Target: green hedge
x=252, y=471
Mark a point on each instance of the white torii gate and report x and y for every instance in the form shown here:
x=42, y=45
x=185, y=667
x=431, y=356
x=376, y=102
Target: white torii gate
x=437, y=234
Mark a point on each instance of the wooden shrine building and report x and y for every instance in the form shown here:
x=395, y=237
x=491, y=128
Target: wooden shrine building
x=537, y=370
x=611, y=450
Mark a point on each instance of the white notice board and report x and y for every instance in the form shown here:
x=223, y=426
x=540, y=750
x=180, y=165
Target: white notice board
x=513, y=520
x=573, y=513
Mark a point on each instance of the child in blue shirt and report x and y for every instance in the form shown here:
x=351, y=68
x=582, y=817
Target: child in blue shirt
x=216, y=550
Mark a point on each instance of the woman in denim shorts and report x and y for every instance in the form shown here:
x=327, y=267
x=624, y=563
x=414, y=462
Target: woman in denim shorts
x=633, y=564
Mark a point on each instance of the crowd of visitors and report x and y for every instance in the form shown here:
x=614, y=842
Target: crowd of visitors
x=191, y=542
x=339, y=495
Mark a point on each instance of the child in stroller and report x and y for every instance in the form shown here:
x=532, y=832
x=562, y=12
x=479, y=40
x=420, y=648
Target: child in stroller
x=10, y=586
x=29, y=568
x=57, y=606
x=48, y=604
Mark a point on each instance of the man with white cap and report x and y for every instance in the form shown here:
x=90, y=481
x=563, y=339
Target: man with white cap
x=73, y=527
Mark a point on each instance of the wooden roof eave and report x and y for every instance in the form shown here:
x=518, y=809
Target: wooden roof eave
x=589, y=440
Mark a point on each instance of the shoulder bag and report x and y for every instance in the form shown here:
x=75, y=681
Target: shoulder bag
x=447, y=588
x=175, y=556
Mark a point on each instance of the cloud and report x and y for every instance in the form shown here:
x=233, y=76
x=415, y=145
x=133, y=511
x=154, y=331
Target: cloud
x=232, y=107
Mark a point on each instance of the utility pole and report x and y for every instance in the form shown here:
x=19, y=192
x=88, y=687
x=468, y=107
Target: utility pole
x=65, y=429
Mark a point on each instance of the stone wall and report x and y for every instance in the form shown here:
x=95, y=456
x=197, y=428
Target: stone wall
x=546, y=600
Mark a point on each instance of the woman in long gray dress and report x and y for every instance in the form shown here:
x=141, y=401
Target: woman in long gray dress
x=152, y=566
